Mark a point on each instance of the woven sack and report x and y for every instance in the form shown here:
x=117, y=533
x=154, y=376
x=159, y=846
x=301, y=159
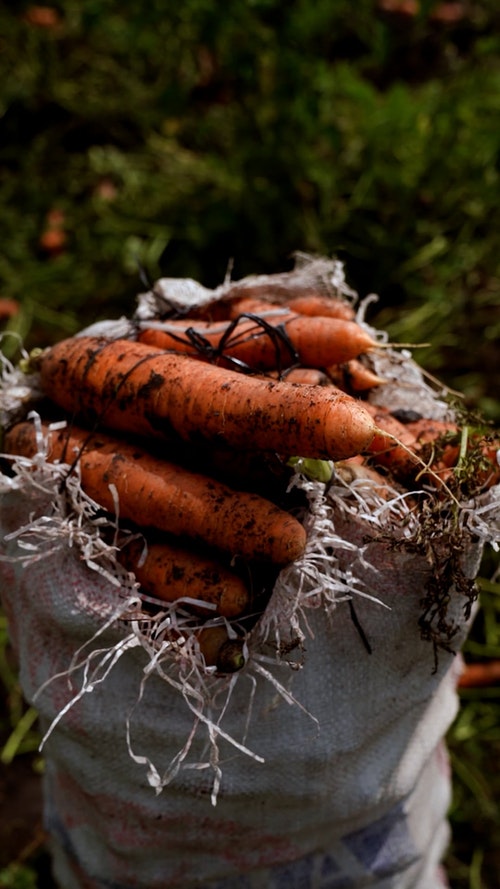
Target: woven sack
x=320, y=765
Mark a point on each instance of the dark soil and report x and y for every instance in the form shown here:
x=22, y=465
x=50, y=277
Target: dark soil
x=22, y=837
x=20, y=810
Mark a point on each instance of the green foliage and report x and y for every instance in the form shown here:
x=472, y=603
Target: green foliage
x=474, y=744
x=18, y=876
x=18, y=733
x=177, y=138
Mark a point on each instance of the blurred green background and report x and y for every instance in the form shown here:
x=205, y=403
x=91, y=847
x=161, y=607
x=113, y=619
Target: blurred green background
x=172, y=139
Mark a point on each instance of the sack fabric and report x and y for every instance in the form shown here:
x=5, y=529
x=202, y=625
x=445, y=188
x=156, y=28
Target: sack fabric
x=322, y=768
x=354, y=785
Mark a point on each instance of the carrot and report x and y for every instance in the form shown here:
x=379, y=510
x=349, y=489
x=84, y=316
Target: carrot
x=482, y=673
x=431, y=443
x=392, y=446
x=424, y=443
x=445, y=437
x=317, y=341
x=219, y=650
x=304, y=300
x=192, y=336
x=170, y=572
x=133, y=387
x=356, y=469
x=8, y=308
x=353, y=376
x=279, y=339
x=278, y=289
x=410, y=455
x=241, y=343
x=306, y=376
x=313, y=303
x=428, y=430
x=406, y=454
x=247, y=347
x=489, y=474
x=155, y=493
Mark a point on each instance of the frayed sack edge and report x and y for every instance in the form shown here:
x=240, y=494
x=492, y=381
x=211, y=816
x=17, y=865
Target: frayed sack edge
x=315, y=581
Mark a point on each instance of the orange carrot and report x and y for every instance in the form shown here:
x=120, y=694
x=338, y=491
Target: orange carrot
x=356, y=469
x=213, y=643
x=445, y=437
x=225, y=343
x=279, y=338
x=481, y=673
x=317, y=341
x=318, y=304
x=279, y=288
x=393, y=445
x=8, y=308
x=304, y=299
x=170, y=572
x=155, y=493
x=219, y=650
x=133, y=387
x=489, y=473
x=353, y=376
x=306, y=376
x=428, y=444
x=428, y=430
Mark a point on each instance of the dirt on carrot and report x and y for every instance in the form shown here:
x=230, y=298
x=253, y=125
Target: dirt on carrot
x=155, y=493
x=316, y=341
x=135, y=388
x=170, y=572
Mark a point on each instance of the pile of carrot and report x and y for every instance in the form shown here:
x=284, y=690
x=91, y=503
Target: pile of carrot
x=193, y=424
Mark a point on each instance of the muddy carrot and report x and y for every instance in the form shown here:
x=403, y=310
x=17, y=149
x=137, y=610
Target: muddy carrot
x=219, y=650
x=423, y=449
x=306, y=376
x=317, y=341
x=314, y=303
x=239, y=344
x=273, y=338
x=170, y=572
x=433, y=444
x=132, y=387
x=305, y=301
x=355, y=469
x=394, y=446
x=440, y=441
x=155, y=493
x=353, y=376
